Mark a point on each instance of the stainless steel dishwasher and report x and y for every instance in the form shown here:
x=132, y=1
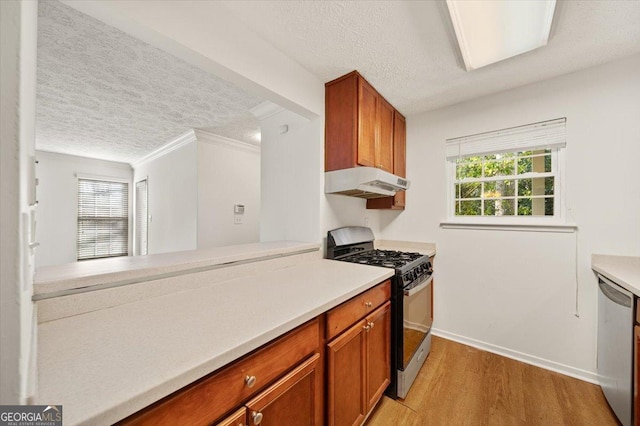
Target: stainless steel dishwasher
x=615, y=348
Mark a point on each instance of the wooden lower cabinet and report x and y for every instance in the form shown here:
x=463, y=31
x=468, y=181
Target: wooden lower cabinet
x=345, y=382
x=294, y=400
x=239, y=418
x=358, y=368
x=378, y=354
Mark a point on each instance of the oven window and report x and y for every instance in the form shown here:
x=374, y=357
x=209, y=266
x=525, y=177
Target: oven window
x=417, y=319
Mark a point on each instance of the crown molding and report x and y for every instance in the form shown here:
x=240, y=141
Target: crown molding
x=204, y=136
x=177, y=143
x=265, y=110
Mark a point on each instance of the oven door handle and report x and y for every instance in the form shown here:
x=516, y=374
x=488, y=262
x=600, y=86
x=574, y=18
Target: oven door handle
x=418, y=288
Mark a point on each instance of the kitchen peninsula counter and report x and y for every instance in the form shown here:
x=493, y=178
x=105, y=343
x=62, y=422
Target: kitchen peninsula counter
x=59, y=280
x=623, y=270
x=107, y=364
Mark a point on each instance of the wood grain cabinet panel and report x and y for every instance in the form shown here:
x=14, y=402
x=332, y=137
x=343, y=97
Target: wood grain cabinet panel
x=345, y=377
x=239, y=418
x=296, y=399
x=378, y=354
x=367, y=124
x=398, y=201
x=384, y=138
x=358, y=125
x=359, y=368
x=343, y=316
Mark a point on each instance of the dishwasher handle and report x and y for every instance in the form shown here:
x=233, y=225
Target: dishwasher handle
x=614, y=292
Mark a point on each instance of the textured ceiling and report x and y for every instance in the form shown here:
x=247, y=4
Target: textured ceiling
x=104, y=94
x=407, y=51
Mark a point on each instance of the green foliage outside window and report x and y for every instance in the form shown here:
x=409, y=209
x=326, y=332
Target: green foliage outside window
x=480, y=191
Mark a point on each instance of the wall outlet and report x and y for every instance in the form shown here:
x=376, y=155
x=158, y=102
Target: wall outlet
x=237, y=219
x=366, y=221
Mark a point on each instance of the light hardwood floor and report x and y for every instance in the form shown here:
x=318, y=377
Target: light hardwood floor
x=461, y=385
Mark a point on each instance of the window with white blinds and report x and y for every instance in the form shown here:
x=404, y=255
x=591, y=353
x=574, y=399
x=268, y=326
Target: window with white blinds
x=103, y=219
x=513, y=172
x=141, y=219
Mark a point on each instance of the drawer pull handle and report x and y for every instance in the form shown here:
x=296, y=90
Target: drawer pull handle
x=257, y=417
x=250, y=381
x=368, y=304
x=372, y=324
x=367, y=328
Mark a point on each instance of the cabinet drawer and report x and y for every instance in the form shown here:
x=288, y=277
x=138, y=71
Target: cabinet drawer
x=239, y=418
x=343, y=316
x=208, y=399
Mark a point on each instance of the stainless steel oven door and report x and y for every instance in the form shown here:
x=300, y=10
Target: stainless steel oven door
x=417, y=316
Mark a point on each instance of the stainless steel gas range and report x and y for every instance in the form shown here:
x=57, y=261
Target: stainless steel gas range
x=411, y=299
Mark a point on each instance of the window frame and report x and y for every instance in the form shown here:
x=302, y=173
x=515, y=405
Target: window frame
x=102, y=178
x=556, y=223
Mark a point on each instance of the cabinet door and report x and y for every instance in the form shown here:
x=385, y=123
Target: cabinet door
x=378, y=353
x=345, y=377
x=384, y=140
x=398, y=201
x=293, y=400
x=399, y=155
x=239, y=418
x=367, y=105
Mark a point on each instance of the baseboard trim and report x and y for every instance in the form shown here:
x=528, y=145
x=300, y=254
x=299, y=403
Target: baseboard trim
x=567, y=370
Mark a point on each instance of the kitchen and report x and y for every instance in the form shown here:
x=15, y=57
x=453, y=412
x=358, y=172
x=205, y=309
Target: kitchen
x=526, y=295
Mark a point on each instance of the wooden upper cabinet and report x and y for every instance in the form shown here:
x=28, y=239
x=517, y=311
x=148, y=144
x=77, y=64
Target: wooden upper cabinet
x=384, y=148
x=367, y=124
x=397, y=202
x=358, y=125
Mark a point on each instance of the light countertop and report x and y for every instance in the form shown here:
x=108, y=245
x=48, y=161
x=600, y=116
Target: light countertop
x=53, y=280
x=105, y=365
x=623, y=270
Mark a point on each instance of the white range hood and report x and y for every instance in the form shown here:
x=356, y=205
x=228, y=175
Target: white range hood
x=363, y=182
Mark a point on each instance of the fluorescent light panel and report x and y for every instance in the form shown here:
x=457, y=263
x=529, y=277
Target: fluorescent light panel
x=490, y=31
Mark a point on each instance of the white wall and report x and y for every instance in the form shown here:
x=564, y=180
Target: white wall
x=291, y=177
x=172, y=185
x=18, y=32
x=57, y=194
x=515, y=292
x=228, y=174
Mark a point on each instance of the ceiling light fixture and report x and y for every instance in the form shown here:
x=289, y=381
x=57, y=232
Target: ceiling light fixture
x=490, y=31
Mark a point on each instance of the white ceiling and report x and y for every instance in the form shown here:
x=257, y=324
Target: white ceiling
x=407, y=50
x=104, y=94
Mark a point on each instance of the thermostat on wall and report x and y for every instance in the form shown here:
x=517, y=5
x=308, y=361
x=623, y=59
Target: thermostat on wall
x=238, y=208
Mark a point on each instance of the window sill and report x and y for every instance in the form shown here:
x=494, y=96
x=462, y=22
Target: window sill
x=526, y=227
